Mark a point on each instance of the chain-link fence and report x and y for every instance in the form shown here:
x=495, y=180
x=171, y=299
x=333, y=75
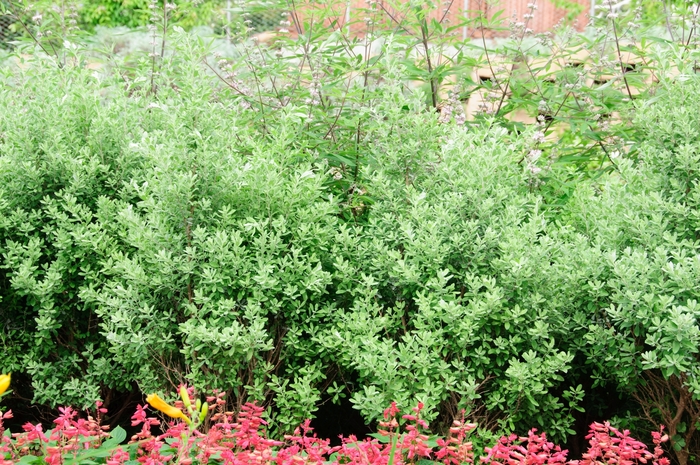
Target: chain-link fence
x=258, y=15
x=9, y=27
x=5, y=31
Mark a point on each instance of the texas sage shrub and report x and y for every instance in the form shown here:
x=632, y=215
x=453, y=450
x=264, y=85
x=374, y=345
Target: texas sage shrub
x=199, y=239
x=154, y=245
x=643, y=331
x=61, y=158
x=448, y=293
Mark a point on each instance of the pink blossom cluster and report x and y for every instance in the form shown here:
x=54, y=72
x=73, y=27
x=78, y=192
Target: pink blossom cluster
x=609, y=445
x=70, y=435
x=242, y=440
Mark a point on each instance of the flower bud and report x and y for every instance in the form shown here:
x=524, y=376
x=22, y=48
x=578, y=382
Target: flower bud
x=185, y=396
x=203, y=412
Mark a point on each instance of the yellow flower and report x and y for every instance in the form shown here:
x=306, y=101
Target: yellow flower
x=159, y=404
x=4, y=383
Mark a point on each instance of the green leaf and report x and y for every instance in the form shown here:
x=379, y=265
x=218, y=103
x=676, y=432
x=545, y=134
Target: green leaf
x=29, y=459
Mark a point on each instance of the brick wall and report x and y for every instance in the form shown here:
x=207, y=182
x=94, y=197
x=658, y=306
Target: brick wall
x=448, y=12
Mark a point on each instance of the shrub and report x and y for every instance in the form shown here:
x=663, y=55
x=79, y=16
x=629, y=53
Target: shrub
x=159, y=250
x=644, y=223
x=292, y=222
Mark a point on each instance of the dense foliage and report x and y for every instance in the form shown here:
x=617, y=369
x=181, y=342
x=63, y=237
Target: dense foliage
x=296, y=223
x=90, y=14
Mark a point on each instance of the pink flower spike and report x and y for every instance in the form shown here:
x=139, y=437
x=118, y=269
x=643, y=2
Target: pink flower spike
x=391, y=412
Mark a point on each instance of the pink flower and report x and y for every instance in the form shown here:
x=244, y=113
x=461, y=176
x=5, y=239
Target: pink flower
x=455, y=449
x=391, y=412
x=118, y=457
x=612, y=446
x=34, y=432
x=531, y=450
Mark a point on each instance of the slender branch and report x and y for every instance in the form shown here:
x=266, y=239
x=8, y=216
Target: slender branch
x=619, y=57
x=426, y=47
x=165, y=29
x=695, y=19
x=668, y=23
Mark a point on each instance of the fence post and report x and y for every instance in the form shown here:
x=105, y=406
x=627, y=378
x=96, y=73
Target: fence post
x=228, y=21
x=465, y=11
x=347, y=16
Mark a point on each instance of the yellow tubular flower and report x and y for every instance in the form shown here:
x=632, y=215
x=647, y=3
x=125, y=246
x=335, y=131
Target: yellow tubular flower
x=159, y=404
x=4, y=383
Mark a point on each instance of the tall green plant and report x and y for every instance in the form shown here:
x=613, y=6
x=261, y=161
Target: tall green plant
x=645, y=223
